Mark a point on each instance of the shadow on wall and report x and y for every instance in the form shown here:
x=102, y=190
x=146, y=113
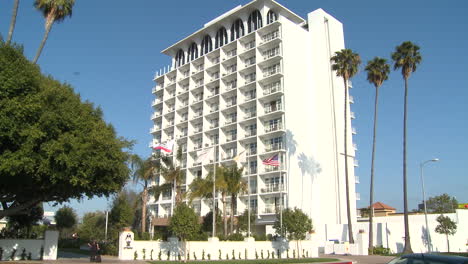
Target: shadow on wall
x=424, y=237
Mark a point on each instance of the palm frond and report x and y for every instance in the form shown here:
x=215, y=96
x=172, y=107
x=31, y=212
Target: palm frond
x=377, y=71
x=407, y=57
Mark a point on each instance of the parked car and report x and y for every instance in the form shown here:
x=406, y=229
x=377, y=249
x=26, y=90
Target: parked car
x=428, y=259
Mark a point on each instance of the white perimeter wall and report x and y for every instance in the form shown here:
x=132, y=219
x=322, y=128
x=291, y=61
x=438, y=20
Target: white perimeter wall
x=213, y=248
x=32, y=246
x=389, y=232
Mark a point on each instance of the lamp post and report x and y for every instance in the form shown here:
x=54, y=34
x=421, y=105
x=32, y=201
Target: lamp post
x=428, y=234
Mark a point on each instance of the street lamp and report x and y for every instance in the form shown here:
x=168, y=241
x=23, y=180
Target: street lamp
x=428, y=234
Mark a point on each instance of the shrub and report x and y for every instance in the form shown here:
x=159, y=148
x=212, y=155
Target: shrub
x=109, y=248
x=235, y=237
x=380, y=250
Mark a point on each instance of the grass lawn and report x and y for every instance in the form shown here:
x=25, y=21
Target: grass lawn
x=254, y=261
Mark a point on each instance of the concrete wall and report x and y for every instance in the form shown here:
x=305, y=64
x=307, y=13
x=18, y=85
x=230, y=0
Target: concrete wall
x=33, y=246
x=249, y=248
x=389, y=232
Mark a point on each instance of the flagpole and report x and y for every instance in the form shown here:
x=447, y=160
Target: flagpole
x=214, y=192
x=174, y=183
x=248, y=203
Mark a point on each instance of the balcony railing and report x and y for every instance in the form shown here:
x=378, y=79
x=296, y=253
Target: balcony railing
x=154, y=129
x=272, y=188
x=231, y=53
x=231, y=103
x=251, y=133
x=353, y=130
x=356, y=179
x=198, y=114
x=250, y=96
x=231, y=138
x=351, y=99
x=230, y=121
x=156, y=114
x=251, y=152
x=273, y=168
x=252, y=170
x=272, y=128
x=271, y=90
x=271, y=72
x=273, y=147
x=250, y=45
x=250, y=115
x=270, y=108
x=271, y=209
x=197, y=147
x=270, y=36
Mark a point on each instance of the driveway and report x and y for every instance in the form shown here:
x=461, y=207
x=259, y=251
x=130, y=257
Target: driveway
x=374, y=259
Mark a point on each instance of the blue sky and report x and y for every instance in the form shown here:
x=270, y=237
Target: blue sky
x=109, y=50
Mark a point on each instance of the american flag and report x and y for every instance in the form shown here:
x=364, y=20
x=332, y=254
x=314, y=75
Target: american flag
x=272, y=161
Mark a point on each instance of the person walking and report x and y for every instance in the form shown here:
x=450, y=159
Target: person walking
x=94, y=252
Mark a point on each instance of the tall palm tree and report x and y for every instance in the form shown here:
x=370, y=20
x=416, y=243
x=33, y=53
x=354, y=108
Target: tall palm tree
x=201, y=188
x=377, y=72
x=13, y=21
x=53, y=11
x=174, y=176
x=406, y=57
x=143, y=172
x=346, y=63
x=235, y=185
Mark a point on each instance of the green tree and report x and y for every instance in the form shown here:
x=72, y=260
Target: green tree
x=184, y=224
x=243, y=222
x=447, y=227
x=295, y=225
x=92, y=227
x=441, y=204
x=65, y=218
x=173, y=174
x=346, y=63
x=53, y=146
x=406, y=57
x=235, y=185
x=53, y=11
x=13, y=21
x=122, y=213
x=202, y=188
x=21, y=224
x=143, y=172
x=377, y=72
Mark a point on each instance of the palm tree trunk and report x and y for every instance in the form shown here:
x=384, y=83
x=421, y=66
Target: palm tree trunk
x=407, y=248
x=233, y=205
x=348, y=203
x=224, y=214
x=371, y=200
x=144, y=198
x=13, y=21
x=49, y=22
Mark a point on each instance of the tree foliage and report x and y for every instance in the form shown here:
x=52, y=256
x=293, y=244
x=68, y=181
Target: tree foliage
x=447, y=227
x=243, y=221
x=53, y=146
x=184, y=222
x=441, y=204
x=122, y=213
x=295, y=224
x=65, y=217
x=92, y=227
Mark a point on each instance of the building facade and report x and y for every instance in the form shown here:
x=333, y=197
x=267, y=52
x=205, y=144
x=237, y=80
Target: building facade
x=258, y=79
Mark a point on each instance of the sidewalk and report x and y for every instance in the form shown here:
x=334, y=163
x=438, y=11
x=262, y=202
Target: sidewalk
x=374, y=259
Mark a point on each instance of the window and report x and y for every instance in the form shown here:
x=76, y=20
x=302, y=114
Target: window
x=221, y=38
x=255, y=21
x=237, y=29
x=180, y=58
x=271, y=17
x=193, y=52
x=206, y=45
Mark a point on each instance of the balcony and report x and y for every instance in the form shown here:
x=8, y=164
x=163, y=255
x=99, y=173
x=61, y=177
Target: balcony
x=249, y=45
x=272, y=89
x=271, y=188
x=230, y=121
x=197, y=147
x=213, y=126
x=198, y=114
x=250, y=96
x=273, y=108
x=356, y=179
x=270, y=36
x=271, y=72
x=249, y=115
x=355, y=147
x=250, y=79
x=154, y=129
x=273, y=168
x=270, y=209
x=252, y=170
x=198, y=129
x=274, y=127
x=274, y=147
x=231, y=103
x=351, y=99
x=358, y=196
x=231, y=53
x=231, y=85
x=356, y=163
x=352, y=115
x=157, y=101
x=231, y=138
x=353, y=130
x=155, y=115
x=251, y=152
x=251, y=133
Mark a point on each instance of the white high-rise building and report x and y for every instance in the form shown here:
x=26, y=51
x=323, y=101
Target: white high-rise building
x=258, y=78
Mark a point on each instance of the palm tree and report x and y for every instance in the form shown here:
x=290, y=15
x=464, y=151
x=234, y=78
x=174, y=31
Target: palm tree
x=13, y=21
x=53, y=11
x=174, y=177
x=235, y=185
x=143, y=172
x=406, y=57
x=201, y=188
x=377, y=72
x=346, y=63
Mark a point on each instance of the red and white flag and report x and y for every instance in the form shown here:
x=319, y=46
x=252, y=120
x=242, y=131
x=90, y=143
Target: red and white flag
x=166, y=147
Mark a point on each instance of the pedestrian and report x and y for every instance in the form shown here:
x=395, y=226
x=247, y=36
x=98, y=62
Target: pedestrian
x=93, y=249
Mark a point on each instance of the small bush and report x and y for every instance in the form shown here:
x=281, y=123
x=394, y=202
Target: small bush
x=235, y=237
x=380, y=250
x=135, y=255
